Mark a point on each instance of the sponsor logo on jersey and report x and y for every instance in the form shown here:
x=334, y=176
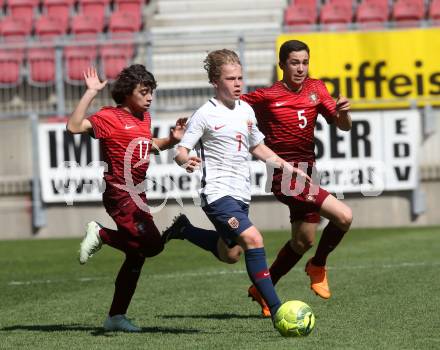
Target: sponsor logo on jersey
x=128, y=127
x=218, y=127
x=279, y=104
x=233, y=223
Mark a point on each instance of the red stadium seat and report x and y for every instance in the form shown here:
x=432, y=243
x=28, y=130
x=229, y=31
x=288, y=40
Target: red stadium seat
x=336, y=16
x=85, y=25
x=59, y=9
x=77, y=60
x=434, y=11
x=14, y=31
x=34, y=3
x=10, y=68
x=79, y=57
x=371, y=16
x=23, y=10
x=342, y=3
x=94, y=8
x=300, y=15
x=48, y=28
x=408, y=13
x=129, y=6
x=312, y=3
x=114, y=59
x=382, y=3
x=133, y=7
x=41, y=66
x=122, y=27
x=122, y=22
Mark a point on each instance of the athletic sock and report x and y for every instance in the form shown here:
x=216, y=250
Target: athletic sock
x=125, y=285
x=331, y=236
x=260, y=276
x=286, y=259
x=205, y=239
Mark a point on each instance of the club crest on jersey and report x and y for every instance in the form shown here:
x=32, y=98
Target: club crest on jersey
x=310, y=198
x=249, y=125
x=233, y=223
x=313, y=97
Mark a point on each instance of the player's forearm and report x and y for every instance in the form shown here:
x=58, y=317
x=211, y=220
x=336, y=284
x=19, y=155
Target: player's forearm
x=264, y=153
x=343, y=121
x=164, y=143
x=75, y=123
x=182, y=156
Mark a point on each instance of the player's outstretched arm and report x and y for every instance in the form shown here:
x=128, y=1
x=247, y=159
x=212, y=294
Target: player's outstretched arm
x=176, y=134
x=264, y=153
x=343, y=118
x=183, y=159
x=77, y=123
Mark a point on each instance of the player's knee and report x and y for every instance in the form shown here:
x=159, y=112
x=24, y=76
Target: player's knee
x=307, y=243
x=152, y=247
x=253, y=240
x=231, y=258
x=345, y=219
x=135, y=262
x=149, y=238
x=300, y=246
x=233, y=254
x=226, y=254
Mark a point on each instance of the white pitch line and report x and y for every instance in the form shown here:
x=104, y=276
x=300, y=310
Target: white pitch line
x=83, y=279
x=226, y=272
x=386, y=266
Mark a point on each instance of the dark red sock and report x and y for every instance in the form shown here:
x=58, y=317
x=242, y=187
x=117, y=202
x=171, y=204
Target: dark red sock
x=284, y=262
x=125, y=284
x=331, y=236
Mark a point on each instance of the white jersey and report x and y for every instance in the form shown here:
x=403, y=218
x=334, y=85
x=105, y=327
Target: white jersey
x=222, y=138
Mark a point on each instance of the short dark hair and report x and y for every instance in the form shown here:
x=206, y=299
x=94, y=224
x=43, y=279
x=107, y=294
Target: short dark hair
x=128, y=79
x=292, y=45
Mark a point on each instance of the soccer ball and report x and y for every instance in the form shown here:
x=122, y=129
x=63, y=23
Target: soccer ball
x=294, y=318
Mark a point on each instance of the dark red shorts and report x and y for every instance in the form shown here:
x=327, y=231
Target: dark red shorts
x=304, y=206
x=135, y=224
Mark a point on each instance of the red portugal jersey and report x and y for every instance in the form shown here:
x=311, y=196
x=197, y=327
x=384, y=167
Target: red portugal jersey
x=124, y=139
x=288, y=119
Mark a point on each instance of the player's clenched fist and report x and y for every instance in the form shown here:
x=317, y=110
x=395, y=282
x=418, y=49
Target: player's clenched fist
x=192, y=164
x=176, y=132
x=342, y=104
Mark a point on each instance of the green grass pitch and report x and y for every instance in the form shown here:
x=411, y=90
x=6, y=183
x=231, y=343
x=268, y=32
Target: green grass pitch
x=385, y=284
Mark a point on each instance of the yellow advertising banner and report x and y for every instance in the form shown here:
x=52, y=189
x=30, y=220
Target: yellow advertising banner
x=385, y=69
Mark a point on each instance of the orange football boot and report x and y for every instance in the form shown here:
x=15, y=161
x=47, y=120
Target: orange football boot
x=318, y=279
x=256, y=296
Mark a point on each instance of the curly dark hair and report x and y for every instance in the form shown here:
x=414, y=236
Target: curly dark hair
x=128, y=79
